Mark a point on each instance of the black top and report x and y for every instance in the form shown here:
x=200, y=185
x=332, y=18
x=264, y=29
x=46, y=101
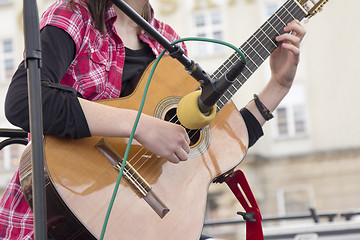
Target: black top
x=62, y=113
x=135, y=63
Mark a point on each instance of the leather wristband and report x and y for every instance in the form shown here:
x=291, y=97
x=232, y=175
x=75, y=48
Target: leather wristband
x=265, y=112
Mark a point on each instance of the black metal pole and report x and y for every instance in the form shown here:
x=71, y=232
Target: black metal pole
x=33, y=65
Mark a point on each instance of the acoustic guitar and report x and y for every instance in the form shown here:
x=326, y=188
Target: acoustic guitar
x=156, y=200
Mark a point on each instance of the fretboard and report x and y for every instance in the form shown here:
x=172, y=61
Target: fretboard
x=258, y=47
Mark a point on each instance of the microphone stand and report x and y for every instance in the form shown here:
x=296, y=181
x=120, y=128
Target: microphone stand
x=33, y=65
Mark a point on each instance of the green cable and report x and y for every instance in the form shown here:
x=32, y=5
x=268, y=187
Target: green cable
x=243, y=58
x=117, y=184
x=129, y=145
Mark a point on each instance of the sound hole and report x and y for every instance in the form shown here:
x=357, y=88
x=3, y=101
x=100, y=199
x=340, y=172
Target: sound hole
x=194, y=135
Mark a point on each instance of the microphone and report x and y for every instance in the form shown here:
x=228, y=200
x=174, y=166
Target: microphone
x=198, y=109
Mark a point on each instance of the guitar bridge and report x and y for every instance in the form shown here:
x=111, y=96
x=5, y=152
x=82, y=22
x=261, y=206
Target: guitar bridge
x=138, y=183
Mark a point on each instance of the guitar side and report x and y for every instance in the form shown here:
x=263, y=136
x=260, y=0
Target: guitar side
x=84, y=179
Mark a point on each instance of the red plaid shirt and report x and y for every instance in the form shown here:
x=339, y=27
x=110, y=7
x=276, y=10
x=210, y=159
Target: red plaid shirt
x=95, y=72
x=97, y=69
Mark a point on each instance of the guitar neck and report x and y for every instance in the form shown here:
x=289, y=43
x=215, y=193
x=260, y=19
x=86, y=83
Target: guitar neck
x=259, y=46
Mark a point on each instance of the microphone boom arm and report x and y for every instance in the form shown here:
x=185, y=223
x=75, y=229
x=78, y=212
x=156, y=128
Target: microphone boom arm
x=212, y=90
x=175, y=51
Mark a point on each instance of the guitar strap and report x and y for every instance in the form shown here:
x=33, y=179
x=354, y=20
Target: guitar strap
x=239, y=186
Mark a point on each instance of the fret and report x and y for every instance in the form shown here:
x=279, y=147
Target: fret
x=270, y=41
x=248, y=63
x=274, y=29
x=261, y=44
x=299, y=14
x=287, y=18
x=295, y=10
x=247, y=71
x=222, y=103
x=256, y=50
x=292, y=12
x=227, y=96
x=270, y=30
x=237, y=84
x=289, y=13
x=275, y=15
x=227, y=93
x=227, y=67
x=246, y=74
x=242, y=79
x=252, y=59
x=284, y=13
x=218, y=75
x=276, y=23
x=224, y=99
x=232, y=90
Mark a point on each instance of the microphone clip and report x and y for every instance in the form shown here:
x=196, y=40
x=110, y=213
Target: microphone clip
x=212, y=89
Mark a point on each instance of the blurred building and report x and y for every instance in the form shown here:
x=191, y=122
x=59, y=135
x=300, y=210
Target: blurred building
x=309, y=156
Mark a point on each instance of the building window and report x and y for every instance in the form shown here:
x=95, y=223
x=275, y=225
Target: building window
x=216, y=18
x=8, y=46
x=299, y=119
x=208, y=24
x=290, y=118
x=6, y=60
x=199, y=21
x=291, y=121
x=282, y=121
x=295, y=199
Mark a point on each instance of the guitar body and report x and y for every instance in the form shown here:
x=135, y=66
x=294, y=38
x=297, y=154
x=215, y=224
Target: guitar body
x=84, y=179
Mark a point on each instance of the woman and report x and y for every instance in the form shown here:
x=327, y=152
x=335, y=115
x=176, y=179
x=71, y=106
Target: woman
x=91, y=50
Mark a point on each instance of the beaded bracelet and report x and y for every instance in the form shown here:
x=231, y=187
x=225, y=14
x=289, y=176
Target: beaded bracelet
x=267, y=115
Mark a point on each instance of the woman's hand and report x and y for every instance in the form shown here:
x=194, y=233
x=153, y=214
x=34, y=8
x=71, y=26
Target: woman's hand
x=283, y=64
x=162, y=138
x=285, y=58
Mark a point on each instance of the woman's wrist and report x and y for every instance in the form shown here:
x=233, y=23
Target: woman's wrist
x=274, y=93
x=268, y=100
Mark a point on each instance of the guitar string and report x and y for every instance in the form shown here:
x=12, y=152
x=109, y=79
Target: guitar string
x=136, y=180
x=266, y=36
x=260, y=53
x=247, y=47
x=151, y=154
x=251, y=59
x=248, y=42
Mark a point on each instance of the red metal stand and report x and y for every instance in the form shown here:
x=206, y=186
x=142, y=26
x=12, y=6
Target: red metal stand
x=239, y=186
